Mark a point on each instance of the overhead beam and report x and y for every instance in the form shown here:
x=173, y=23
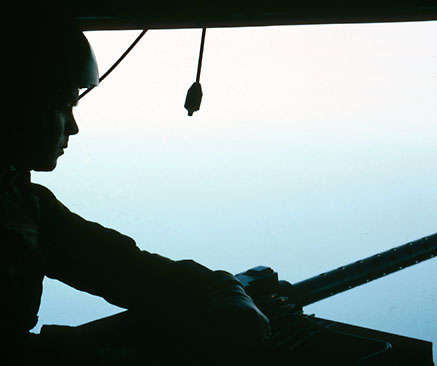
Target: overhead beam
x=159, y=14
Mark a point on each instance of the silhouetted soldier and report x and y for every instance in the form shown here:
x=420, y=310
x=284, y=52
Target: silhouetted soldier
x=47, y=61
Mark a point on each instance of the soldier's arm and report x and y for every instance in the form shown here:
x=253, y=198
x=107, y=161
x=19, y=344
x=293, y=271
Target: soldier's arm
x=103, y=262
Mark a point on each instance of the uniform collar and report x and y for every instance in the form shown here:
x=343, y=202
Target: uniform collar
x=8, y=175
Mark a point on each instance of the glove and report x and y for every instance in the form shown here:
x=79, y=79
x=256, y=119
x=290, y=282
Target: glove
x=233, y=314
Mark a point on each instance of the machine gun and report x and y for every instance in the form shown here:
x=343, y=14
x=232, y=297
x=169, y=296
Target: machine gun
x=297, y=333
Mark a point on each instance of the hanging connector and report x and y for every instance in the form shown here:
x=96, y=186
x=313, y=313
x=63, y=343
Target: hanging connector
x=193, y=99
x=194, y=94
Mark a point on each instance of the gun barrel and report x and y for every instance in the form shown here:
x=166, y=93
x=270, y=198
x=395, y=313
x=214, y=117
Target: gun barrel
x=363, y=271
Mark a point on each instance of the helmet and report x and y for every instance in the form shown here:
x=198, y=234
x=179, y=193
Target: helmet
x=47, y=51
x=85, y=70
x=67, y=58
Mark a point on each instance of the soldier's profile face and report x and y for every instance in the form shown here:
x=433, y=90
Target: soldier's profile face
x=53, y=130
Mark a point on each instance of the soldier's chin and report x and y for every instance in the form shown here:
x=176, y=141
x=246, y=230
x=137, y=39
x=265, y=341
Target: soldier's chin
x=45, y=166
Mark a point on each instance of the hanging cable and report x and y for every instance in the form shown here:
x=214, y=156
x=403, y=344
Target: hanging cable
x=199, y=65
x=194, y=94
x=116, y=63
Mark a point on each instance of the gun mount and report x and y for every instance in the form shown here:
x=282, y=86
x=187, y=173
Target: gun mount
x=282, y=302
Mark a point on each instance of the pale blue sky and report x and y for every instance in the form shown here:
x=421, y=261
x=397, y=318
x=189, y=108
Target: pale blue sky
x=314, y=146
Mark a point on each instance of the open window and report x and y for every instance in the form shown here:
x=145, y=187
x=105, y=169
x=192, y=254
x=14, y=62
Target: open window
x=314, y=146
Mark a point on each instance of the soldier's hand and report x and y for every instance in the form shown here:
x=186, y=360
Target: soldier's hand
x=234, y=315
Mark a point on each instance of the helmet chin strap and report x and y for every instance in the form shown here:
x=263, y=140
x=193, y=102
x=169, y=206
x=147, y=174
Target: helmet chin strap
x=134, y=43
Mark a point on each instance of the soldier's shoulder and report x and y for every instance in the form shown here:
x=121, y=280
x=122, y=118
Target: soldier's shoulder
x=42, y=191
x=48, y=203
